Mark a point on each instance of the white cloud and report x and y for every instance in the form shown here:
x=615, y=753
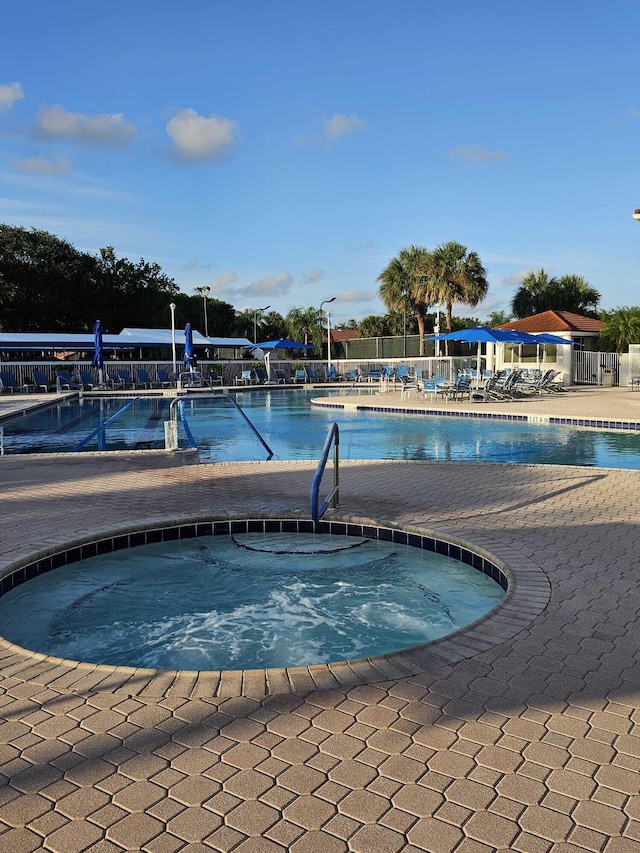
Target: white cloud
x=42, y=166
x=313, y=276
x=516, y=278
x=9, y=94
x=197, y=138
x=343, y=125
x=473, y=154
x=101, y=129
x=273, y=285
x=194, y=264
x=221, y=283
x=357, y=295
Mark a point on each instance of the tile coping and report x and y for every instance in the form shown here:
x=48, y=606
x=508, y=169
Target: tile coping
x=525, y=582
x=593, y=423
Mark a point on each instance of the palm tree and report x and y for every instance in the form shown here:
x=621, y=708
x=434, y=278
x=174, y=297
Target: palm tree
x=538, y=292
x=457, y=276
x=404, y=285
x=304, y=325
x=622, y=329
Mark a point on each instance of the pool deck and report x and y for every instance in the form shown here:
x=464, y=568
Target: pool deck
x=530, y=743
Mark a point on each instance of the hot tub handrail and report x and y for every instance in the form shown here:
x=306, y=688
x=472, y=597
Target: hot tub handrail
x=105, y=424
x=233, y=400
x=318, y=509
x=187, y=429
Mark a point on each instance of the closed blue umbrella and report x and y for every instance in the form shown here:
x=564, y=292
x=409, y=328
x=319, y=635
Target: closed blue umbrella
x=98, y=356
x=189, y=351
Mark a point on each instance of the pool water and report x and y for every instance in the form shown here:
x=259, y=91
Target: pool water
x=246, y=601
x=295, y=430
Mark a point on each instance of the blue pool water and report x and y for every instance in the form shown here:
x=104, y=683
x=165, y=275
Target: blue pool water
x=295, y=430
x=238, y=602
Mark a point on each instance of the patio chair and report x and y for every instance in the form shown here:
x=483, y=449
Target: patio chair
x=123, y=379
x=87, y=380
x=430, y=386
x=300, y=375
x=214, y=378
x=65, y=382
x=165, y=380
x=8, y=383
x=409, y=385
x=311, y=373
x=261, y=375
x=460, y=388
x=41, y=380
x=281, y=376
x=245, y=378
x=352, y=375
x=142, y=378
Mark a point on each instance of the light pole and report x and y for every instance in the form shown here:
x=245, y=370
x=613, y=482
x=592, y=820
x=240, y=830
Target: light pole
x=204, y=291
x=255, y=321
x=172, y=306
x=326, y=302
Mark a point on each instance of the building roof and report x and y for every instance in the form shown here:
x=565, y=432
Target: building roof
x=341, y=335
x=556, y=321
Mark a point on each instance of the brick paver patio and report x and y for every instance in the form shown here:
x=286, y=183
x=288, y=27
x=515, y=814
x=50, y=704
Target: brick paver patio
x=532, y=744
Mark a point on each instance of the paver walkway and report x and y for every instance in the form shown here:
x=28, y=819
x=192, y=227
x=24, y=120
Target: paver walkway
x=533, y=745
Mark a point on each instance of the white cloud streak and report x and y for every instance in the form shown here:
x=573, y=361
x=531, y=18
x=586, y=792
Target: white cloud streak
x=341, y=124
x=313, y=276
x=42, y=166
x=198, y=138
x=102, y=129
x=357, y=295
x=9, y=94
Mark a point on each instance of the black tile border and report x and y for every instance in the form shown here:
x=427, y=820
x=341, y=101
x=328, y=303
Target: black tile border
x=176, y=532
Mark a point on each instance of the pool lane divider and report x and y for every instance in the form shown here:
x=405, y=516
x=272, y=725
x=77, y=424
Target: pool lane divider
x=104, y=424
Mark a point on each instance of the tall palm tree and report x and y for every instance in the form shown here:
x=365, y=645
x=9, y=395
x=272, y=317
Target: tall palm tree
x=577, y=295
x=622, y=329
x=457, y=276
x=304, y=325
x=405, y=287
x=539, y=292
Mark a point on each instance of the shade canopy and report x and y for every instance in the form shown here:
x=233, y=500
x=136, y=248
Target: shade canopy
x=547, y=338
x=484, y=335
x=283, y=343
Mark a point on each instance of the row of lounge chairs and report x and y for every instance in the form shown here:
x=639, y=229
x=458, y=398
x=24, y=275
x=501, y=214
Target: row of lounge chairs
x=503, y=385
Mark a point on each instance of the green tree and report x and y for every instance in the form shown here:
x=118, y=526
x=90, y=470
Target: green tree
x=622, y=329
x=499, y=318
x=457, y=277
x=374, y=326
x=405, y=285
x=304, y=326
x=539, y=292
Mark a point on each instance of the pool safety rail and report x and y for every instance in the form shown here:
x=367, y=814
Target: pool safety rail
x=237, y=405
x=318, y=509
x=99, y=430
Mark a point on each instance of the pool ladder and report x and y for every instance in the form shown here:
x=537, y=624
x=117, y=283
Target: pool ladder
x=318, y=509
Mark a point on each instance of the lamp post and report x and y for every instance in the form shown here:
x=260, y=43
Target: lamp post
x=326, y=302
x=204, y=291
x=172, y=306
x=255, y=321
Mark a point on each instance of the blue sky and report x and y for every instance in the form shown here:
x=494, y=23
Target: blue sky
x=283, y=152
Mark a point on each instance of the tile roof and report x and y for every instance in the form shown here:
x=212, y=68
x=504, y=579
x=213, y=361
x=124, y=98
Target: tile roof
x=556, y=321
x=341, y=335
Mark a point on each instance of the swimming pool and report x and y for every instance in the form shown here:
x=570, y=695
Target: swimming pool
x=246, y=601
x=295, y=430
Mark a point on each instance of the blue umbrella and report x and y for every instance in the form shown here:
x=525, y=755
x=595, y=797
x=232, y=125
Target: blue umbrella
x=281, y=343
x=189, y=351
x=98, y=356
x=482, y=335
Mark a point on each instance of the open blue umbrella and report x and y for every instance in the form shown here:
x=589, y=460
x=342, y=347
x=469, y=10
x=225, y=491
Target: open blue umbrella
x=189, y=351
x=281, y=343
x=482, y=335
x=98, y=355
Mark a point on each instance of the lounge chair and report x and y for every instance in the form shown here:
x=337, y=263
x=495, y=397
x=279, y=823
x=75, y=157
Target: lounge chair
x=300, y=375
x=165, y=380
x=214, y=378
x=41, y=380
x=409, y=385
x=87, y=379
x=123, y=379
x=311, y=373
x=281, y=376
x=245, y=378
x=142, y=378
x=65, y=382
x=8, y=383
x=330, y=374
x=352, y=375
x=261, y=375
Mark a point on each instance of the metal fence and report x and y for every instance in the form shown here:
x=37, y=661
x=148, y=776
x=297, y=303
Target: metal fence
x=597, y=368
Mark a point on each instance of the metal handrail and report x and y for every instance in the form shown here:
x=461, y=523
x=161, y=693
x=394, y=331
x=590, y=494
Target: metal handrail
x=232, y=399
x=105, y=424
x=319, y=509
x=187, y=429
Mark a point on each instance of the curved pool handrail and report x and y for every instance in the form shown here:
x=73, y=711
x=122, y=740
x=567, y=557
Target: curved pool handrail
x=318, y=509
x=187, y=429
x=233, y=400
x=105, y=424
